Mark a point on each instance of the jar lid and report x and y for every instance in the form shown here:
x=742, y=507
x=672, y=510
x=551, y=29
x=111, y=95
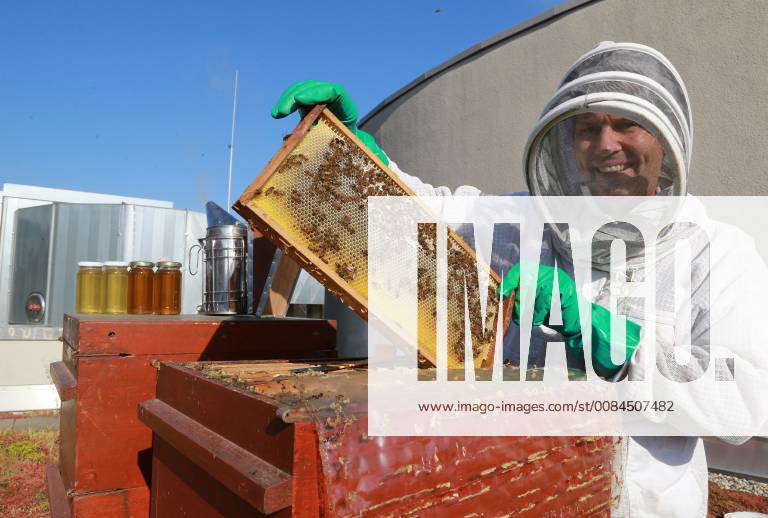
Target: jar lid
x=142, y=264
x=168, y=264
x=90, y=264
x=116, y=264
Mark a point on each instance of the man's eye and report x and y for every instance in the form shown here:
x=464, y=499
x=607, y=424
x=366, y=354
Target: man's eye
x=628, y=125
x=588, y=130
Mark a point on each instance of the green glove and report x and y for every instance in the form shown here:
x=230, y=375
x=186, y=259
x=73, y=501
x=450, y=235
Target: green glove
x=571, y=328
x=304, y=95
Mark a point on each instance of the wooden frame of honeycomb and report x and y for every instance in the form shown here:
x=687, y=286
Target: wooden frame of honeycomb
x=342, y=180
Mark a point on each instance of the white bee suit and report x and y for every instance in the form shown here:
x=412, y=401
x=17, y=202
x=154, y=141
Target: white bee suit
x=656, y=476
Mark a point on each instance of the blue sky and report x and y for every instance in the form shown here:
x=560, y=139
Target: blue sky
x=136, y=99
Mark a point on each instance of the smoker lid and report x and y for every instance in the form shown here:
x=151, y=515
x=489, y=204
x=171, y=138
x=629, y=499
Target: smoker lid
x=227, y=231
x=218, y=216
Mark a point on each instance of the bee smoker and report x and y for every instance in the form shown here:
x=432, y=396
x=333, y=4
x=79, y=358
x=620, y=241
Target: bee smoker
x=224, y=250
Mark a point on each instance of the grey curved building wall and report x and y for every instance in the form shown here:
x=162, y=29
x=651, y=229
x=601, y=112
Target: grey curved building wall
x=467, y=121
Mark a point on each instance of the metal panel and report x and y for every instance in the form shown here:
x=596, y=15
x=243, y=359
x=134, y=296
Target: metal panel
x=307, y=290
x=157, y=233
x=32, y=231
x=28, y=332
x=33, y=192
x=192, y=286
x=82, y=232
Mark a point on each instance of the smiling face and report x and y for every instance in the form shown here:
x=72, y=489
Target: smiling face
x=616, y=156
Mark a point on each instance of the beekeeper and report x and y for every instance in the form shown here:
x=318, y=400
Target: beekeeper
x=619, y=124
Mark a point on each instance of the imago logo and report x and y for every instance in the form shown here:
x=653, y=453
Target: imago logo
x=620, y=315
x=536, y=291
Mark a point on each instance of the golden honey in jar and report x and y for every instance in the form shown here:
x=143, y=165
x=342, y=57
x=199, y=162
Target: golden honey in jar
x=167, y=288
x=115, y=287
x=90, y=278
x=140, y=278
x=156, y=288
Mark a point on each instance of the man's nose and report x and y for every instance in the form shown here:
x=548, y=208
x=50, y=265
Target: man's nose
x=608, y=141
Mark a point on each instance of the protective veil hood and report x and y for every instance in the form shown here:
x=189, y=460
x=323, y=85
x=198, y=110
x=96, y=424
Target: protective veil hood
x=622, y=79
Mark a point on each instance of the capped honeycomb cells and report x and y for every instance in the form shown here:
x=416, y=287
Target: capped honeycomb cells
x=318, y=194
x=462, y=289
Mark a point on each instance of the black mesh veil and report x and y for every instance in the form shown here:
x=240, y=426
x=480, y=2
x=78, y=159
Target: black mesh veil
x=628, y=82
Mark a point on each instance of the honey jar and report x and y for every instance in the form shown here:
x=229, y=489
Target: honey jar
x=140, y=278
x=90, y=279
x=115, y=287
x=167, y=288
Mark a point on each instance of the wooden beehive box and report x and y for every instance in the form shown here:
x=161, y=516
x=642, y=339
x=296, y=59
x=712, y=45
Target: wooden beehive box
x=311, y=200
x=254, y=438
x=110, y=365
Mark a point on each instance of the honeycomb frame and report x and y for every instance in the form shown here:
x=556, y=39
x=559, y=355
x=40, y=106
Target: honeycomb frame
x=251, y=206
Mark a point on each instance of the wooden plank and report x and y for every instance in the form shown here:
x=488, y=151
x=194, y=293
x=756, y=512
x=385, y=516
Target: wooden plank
x=263, y=253
x=67, y=442
x=247, y=367
x=104, y=445
x=211, y=337
x=283, y=283
x=57, y=496
x=71, y=330
x=307, y=472
x=505, y=311
x=112, y=448
x=213, y=404
x=182, y=488
x=262, y=485
x=68, y=356
x=65, y=382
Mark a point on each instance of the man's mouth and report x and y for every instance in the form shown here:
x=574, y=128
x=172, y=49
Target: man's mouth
x=615, y=168
x=624, y=167
x=616, y=179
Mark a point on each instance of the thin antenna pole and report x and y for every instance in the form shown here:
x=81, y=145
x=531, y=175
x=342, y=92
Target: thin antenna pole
x=231, y=146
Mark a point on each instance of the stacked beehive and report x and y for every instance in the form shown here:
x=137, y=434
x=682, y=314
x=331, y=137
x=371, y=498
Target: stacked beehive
x=304, y=451
x=110, y=365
